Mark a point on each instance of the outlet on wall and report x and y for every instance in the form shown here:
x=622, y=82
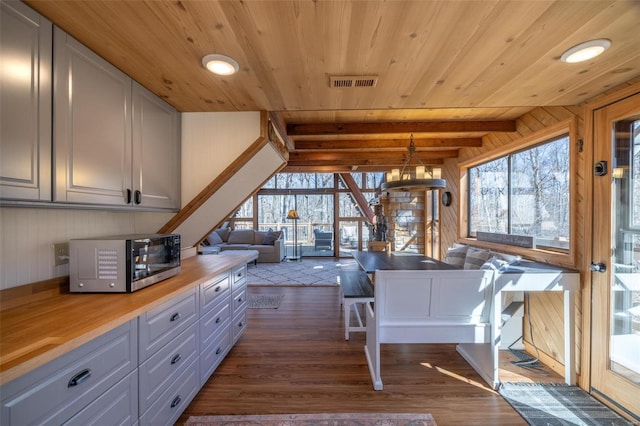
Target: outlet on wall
x=60, y=254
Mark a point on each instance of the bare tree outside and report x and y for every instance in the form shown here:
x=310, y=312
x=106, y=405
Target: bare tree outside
x=525, y=193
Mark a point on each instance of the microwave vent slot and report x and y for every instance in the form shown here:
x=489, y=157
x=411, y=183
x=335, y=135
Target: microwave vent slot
x=108, y=264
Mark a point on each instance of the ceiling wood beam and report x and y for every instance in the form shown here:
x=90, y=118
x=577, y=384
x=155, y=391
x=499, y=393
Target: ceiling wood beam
x=354, y=156
x=387, y=144
x=381, y=164
x=332, y=168
x=280, y=126
x=310, y=129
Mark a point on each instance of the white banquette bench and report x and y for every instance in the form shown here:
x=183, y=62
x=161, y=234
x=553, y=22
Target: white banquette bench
x=460, y=306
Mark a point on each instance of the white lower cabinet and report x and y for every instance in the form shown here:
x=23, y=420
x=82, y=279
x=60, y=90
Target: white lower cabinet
x=239, y=302
x=212, y=355
x=161, y=370
x=173, y=401
x=117, y=406
x=144, y=372
x=57, y=391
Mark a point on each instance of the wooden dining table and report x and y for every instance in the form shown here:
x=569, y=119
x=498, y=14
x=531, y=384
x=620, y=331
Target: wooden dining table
x=370, y=261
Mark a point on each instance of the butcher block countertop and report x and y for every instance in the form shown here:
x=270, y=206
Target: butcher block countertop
x=36, y=333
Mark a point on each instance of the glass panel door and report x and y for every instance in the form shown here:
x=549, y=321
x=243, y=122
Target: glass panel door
x=315, y=231
x=624, y=350
x=615, y=370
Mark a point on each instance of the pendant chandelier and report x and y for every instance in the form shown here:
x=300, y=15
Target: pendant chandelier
x=408, y=179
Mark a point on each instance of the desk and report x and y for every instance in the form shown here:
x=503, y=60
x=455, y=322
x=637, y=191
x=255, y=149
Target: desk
x=526, y=276
x=370, y=261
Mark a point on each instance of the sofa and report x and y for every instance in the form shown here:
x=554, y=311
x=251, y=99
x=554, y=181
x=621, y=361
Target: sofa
x=269, y=244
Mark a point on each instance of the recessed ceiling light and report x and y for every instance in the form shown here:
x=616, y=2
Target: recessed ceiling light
x=585, y=51
x=220, y=64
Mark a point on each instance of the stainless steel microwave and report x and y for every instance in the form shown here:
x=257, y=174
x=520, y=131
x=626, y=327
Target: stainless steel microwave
x=123, y=263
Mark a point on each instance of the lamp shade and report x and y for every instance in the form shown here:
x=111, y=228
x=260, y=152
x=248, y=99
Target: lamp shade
x=293, y=214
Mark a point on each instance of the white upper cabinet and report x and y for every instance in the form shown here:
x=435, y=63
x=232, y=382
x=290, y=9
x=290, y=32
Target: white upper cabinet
x=115, y=143
x=156, y=151
x=92, y=127
x=25, y=103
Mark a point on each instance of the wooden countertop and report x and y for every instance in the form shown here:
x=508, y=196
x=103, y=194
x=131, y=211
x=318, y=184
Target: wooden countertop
x=35, y=333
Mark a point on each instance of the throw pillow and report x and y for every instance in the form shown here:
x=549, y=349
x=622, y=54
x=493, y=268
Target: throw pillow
x=475, y=258
x=224, y=233
x=455, y=256
x=241, y=236
x=494, y=264
x=270, y=238
x=214, y=239
x=509, y=258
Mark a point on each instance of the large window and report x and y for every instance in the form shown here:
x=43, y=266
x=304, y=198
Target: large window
x=330, y=223
x=524, y=193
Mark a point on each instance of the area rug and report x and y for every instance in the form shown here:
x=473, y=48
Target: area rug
x=550, y=404
x=308, y=272
x=264, y=301
x=363, y=419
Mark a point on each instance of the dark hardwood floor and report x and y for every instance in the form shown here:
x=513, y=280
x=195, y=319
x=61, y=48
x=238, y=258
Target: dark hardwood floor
x=294, y=359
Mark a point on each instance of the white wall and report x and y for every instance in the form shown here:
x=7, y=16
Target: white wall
x=27, y=236
x=210, y=142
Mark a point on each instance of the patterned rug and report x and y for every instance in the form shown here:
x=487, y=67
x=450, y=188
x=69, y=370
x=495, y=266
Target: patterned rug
x=308, y=272
x=364, y=419
x=549, y=404
x=264, y=301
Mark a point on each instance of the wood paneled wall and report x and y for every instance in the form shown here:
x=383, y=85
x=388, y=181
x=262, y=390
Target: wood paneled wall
x=546, y=308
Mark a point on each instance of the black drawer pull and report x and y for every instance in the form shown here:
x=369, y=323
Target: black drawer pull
x=239, y=299
x=240, y=324
x=218, y=320
x=218, y=351
x=175, y=401
x=175, y=317
x=137, y=197
x=175, y=359
x=218, y=289
x=79, y=378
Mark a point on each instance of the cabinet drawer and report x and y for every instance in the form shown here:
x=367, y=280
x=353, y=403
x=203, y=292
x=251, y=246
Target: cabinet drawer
x=212, y=323
x=213, y=291
x=239, y=300
x=212, y=355
x=173, y=401
x=161, y=369
x=58, y=390
x=239, y=325
x=239, y=276
x=117, y=406
x=160, y=325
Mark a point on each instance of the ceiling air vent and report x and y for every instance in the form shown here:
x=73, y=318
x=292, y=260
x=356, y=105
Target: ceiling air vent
x=349, y=81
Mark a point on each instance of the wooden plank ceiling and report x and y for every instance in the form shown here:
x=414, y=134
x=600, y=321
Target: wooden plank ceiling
x=448, y=72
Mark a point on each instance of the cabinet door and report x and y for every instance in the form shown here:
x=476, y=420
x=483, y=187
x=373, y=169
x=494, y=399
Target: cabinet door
x=92, y=126
x=25, y=103
x=156, y=151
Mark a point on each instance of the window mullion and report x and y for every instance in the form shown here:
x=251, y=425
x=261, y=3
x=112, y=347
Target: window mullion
x=509, y=193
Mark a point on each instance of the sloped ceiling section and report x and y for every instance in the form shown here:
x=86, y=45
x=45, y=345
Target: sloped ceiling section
x=229, y=189
x=230, y=195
